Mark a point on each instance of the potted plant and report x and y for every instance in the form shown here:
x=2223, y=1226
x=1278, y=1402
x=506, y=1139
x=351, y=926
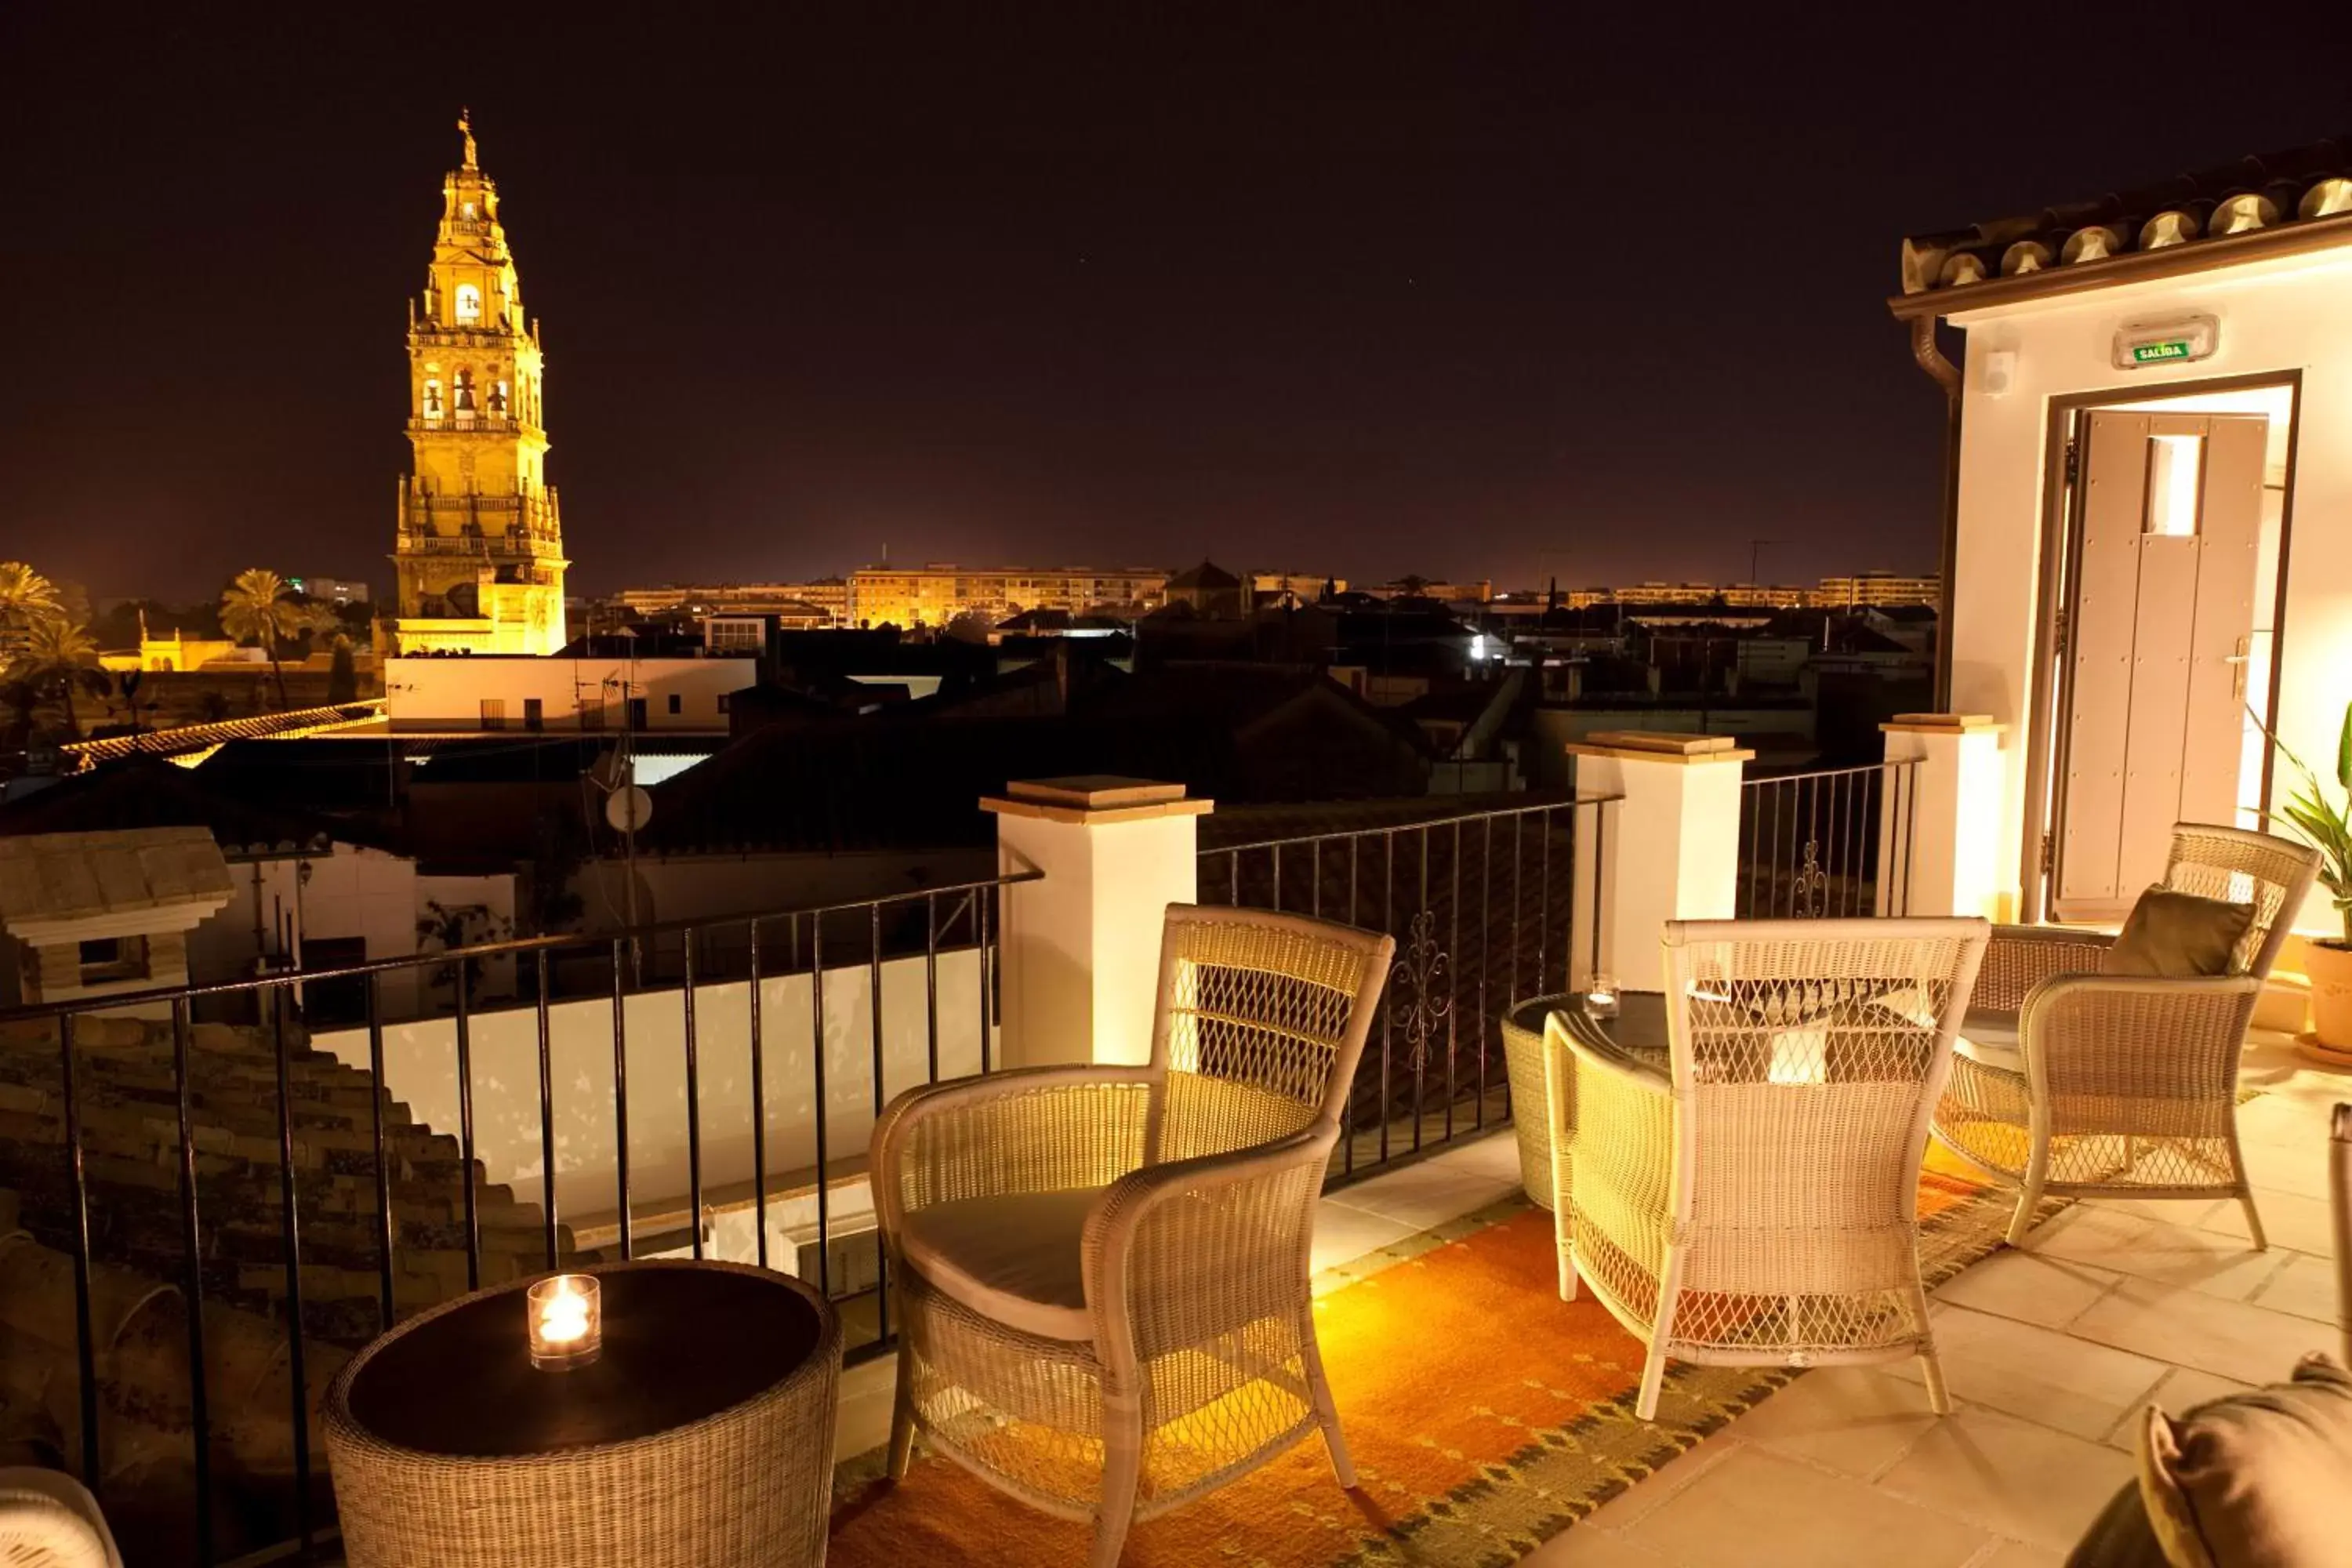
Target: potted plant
x=2326, y=825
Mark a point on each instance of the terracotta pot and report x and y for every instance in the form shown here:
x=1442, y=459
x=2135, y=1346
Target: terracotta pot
x=2329, y=967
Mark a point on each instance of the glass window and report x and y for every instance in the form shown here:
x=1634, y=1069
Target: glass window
x=108, y=959
x=2176, y=473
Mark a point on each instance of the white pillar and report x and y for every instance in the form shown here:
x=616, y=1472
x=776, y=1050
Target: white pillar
x=1669, y=850
x=1949, y=802
x=1080, y=954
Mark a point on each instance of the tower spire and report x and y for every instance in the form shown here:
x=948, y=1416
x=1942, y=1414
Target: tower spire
x=466, y=127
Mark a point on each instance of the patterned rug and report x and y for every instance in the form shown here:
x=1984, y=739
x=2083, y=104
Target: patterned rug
x=1485, y=1414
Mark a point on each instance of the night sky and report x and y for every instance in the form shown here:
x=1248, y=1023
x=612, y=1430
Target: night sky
x=1460, y=289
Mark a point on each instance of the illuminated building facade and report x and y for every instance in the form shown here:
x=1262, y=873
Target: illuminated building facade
x=1879, y=588
x=479, y=548
x=790, y=600
x=934, y=594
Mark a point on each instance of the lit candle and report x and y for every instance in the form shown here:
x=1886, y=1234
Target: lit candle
x=566, y=1321
x=1601, y=997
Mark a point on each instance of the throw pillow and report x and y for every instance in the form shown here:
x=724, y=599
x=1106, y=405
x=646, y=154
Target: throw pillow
x=2121, y=1537
x=2255, y=1481
x=2178, y=936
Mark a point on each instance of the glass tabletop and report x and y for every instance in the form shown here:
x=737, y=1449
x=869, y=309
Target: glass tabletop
x=1637, y=1036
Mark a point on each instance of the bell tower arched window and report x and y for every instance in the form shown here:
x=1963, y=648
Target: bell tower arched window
x=470, y=302
x=433, y=401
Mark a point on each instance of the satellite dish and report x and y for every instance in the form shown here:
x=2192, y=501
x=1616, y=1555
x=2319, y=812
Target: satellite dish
x=628, y=809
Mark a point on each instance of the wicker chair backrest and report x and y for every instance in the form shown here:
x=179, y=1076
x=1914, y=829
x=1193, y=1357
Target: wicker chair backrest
x=1815, y=1002
x=2243, y=867
x=1806, y=1056
x=1262, y=1021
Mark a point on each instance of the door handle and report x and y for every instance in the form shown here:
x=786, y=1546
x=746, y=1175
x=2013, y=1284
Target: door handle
x=2238, y=661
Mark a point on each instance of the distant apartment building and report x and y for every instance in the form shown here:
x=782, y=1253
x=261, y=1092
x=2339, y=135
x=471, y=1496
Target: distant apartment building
x=790, y=602
x=1879, y=588
x=1739, y=595
x=1478, y=593
x=331, y=589
x=936, y=594
x=1304, y=586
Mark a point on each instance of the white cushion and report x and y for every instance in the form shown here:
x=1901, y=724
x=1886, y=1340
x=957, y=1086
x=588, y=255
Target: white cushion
x=1015, y=1259
x=1988, y=1037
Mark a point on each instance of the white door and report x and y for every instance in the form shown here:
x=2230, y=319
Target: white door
x=2155, y=650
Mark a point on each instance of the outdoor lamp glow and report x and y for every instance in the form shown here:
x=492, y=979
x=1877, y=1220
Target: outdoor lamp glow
x=566, y=1318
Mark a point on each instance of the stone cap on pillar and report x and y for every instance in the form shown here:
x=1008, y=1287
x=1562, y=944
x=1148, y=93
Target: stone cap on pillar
x=1942, y=724
x=1093, y=798
x=1660, y=746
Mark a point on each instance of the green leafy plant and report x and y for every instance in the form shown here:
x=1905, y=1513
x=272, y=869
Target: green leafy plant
x=2323, y=823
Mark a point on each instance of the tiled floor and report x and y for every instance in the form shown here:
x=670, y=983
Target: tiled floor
x=2053, y=1354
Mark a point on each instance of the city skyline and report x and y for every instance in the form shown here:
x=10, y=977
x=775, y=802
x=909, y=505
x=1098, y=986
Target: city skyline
x=1297, y=299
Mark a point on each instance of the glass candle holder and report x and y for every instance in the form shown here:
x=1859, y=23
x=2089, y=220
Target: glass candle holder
x=566, y=1316
x=1600, y=997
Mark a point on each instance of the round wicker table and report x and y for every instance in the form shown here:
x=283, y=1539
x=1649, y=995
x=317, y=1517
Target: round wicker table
x=701, y=1438
x=1638, y=1034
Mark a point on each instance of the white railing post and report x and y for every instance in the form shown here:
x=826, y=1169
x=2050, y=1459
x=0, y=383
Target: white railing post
x=1671, y=850
x=1951, y=805
x=1079, y=953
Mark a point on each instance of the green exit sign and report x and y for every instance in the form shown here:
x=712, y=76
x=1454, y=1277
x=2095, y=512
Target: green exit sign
x=2178, y=340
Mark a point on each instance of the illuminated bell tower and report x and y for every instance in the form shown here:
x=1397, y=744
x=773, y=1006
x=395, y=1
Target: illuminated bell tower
x=479, y=553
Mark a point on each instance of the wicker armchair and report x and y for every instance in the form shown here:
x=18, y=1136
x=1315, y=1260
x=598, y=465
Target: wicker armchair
x=2068, y=1081
x=1102, y=1271
x=48, y=1520
x=1759, y=1205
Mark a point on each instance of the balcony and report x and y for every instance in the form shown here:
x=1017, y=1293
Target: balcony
x=194, y=1193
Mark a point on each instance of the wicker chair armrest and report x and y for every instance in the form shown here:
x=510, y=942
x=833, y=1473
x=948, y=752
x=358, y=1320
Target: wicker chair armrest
x=2020, y=958
x=2133, y=1037
x=1027, y=1129
x=1622, y=1174
x=1178, y=1253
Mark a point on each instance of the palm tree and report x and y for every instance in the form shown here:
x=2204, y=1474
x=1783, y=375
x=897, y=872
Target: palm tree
x=58, y=659
x=25, y=598
x=258, y=607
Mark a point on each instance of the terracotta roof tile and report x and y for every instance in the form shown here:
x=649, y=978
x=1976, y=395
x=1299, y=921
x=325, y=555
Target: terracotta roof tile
x=2302, y=185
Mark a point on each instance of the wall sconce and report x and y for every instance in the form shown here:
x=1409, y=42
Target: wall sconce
x=566, y=1319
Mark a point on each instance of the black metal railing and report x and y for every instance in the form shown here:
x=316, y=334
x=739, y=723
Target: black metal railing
x=1831, y=843
x=240, y=1207
x=1487, y=908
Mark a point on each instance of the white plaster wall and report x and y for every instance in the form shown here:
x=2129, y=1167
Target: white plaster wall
x=2293, y=314
x=420, y=1069
x=714, y=886
x=449, y=692
x=351, y=892
x=1082, y=947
